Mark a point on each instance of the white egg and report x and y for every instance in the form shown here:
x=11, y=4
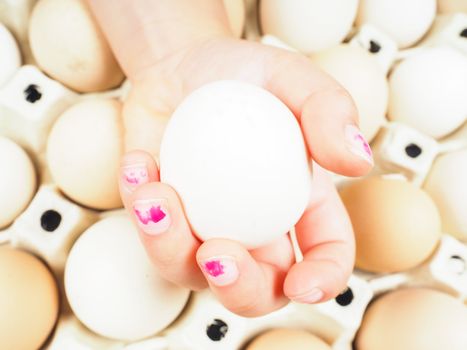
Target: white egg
x=10, y=57
x=84, y=150
x=112, y=286
x=17, y=181
x=446, y=185
x=405, y=21
x=308, y=25
x=236, y=156
x=428, y=91
x=360, y=73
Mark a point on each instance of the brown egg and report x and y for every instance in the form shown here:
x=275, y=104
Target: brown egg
x=397, y=225
x=69, y=46
x=84, y=150
x=28, y=300
x=280, y=339
x=452, y=6
x=414, y=319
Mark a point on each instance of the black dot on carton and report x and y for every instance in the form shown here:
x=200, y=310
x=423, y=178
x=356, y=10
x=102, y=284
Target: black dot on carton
x=32, y=93
x=217, y=330
x=462, y=265
x=50, y=220
x=345, y=298
x=463, y=33
x=413, y=150
x=375, y=47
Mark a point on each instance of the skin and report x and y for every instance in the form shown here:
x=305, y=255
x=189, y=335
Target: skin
x=169, y=48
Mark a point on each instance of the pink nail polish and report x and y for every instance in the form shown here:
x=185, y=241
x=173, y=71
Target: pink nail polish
x=356, y=143
x=221, y=271
x=135, y=175
x=152, y=215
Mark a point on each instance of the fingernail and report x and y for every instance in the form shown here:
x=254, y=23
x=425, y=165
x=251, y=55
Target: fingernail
x=135, y=175
x=356, y=143
x=152, y=215
x=221, y=270
x=314, y=296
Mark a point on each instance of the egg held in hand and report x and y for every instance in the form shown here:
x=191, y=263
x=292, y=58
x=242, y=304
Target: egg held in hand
x=235, y=154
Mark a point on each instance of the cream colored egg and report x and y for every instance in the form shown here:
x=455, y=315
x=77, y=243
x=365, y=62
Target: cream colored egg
x=427, y=91
x=397, y=226
x=452, y=6
x=84, y=150
x=446, y=184
x=360, y=73
x=69, y=46
x=405, y=21
x=308, y=25
x=414, y=319
x=29, y=300
x=17, y=181
x=10, y=58
x=280, y=339
x=112, y=286
x=235, y=154
x=236, y=13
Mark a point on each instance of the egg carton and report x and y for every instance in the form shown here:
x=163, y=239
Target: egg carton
x=206, y=324
x=399, y=148
x=29, y=105
x=448, y=30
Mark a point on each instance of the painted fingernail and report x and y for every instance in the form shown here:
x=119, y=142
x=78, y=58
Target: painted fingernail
x=221, y=270
x=314, y=296
x=152, y=215
x=356, y=143
x=135, y=175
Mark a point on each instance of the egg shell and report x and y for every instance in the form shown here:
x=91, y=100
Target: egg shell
x=17, y=181
x=278, y=339
x=10, y=60
x=452, y=6
x=362, y=76
x=412, y=319
x=308, y=25
x=29, y=300
x=236, y=156
x=427, y=91
x=397, y=226
x=405, y=21
x=236, y=14
x=446, y=185
x=69, y=46
x=112, y=286
x=84, y=150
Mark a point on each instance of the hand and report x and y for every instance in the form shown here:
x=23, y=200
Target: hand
x=267, y=277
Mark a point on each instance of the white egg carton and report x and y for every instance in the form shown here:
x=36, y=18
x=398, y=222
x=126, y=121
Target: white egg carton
x=29, y=105
x=50, y=226
x=377, y=43
x=449, y=30
x=403, y=149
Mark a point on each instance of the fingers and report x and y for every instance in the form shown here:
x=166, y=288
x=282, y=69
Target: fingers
x=327, y=114
x=242, y=284
x=157, y=212
x=325, y=237
x=143, y=127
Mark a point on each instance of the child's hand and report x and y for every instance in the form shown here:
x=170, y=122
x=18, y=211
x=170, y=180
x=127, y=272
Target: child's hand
x=267, y=277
